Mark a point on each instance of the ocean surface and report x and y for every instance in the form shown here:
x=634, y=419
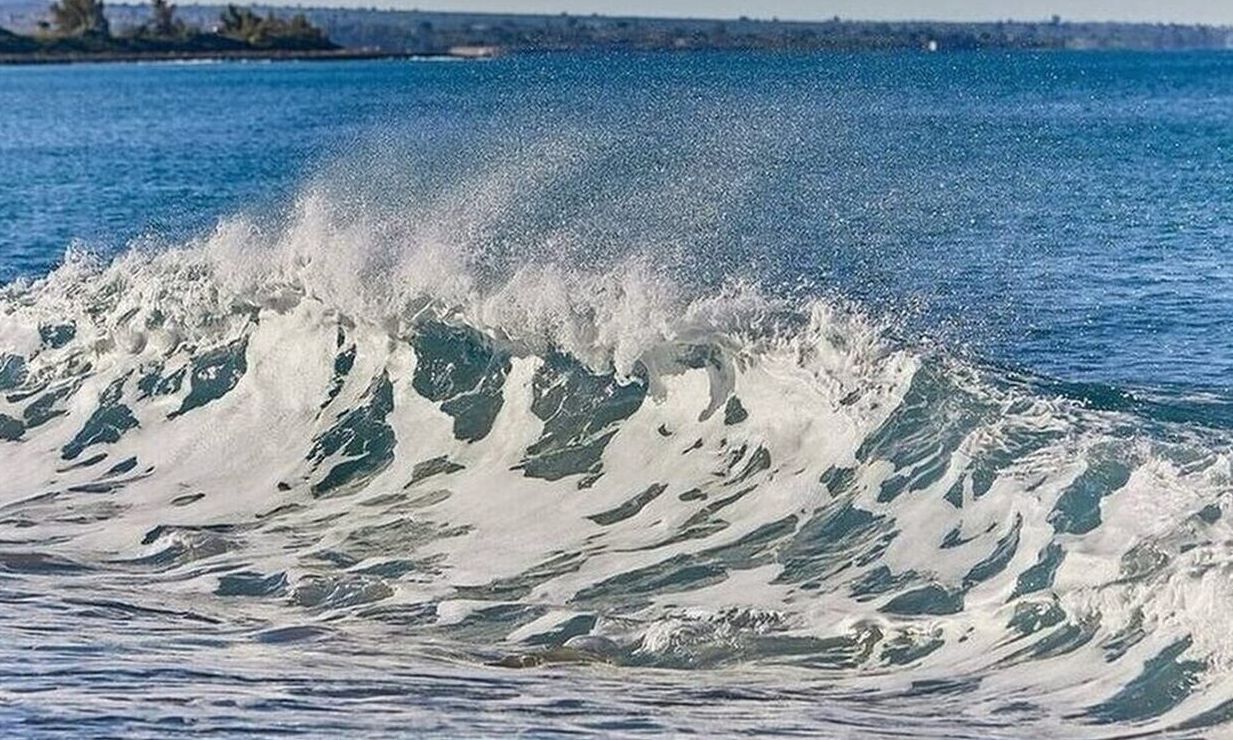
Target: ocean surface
x=877, y=395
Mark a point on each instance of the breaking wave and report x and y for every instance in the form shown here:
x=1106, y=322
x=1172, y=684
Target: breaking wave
x=346, y=419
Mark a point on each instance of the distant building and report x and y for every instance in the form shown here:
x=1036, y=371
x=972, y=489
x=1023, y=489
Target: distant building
x=474, y=52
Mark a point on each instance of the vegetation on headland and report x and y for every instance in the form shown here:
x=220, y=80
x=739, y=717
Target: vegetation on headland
x=132, y=30
x=428, y=32
x=81, y=29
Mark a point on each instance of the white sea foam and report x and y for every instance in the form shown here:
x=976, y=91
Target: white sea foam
x=721, y=478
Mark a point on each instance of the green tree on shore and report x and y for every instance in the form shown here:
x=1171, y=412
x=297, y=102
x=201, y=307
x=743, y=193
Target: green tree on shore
x=163, y=21
x=80, y=18
x=244, y=25
x=239, y=23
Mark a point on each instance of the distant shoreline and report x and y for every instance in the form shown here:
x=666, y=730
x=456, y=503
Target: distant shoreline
x=230, y=32
x=331, y=55
x=238, y=55
x=512, y=33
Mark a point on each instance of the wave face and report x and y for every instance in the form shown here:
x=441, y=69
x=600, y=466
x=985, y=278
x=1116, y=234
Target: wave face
x=282, y=433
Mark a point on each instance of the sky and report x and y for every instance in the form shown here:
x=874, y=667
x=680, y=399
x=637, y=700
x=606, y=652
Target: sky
x=1180, y=11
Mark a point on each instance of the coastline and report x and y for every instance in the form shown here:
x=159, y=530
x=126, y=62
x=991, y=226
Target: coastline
x=230, y=55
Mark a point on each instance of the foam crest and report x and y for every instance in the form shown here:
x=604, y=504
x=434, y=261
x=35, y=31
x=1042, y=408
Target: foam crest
x=348, y=417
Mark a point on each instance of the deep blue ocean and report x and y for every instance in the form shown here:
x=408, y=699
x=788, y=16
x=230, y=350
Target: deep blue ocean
x=842, y=395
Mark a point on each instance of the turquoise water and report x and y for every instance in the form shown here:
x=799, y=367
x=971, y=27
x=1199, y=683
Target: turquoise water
x=708, y=393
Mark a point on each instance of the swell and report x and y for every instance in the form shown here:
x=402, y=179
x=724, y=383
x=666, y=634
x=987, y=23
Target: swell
x=305, y=423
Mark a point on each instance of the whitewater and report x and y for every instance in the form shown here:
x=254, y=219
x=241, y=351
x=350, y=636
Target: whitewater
x=615, y=420
x=297, y=443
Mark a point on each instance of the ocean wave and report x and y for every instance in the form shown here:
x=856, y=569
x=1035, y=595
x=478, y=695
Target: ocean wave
x=335, y=419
